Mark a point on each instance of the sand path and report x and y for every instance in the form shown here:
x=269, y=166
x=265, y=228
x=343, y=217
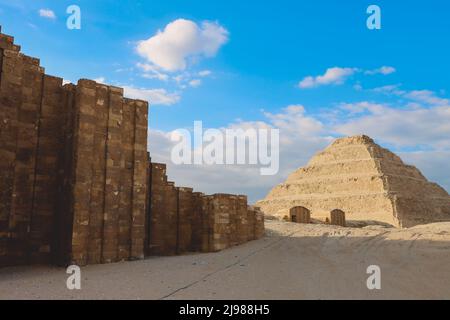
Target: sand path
x=291, y=262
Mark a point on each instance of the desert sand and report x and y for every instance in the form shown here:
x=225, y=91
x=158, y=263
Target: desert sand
x=292, y=261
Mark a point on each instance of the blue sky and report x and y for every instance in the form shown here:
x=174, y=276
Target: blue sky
x=256, y=59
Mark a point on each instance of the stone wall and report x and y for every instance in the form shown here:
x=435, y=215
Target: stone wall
x=184, y=221
x=73, y=167
x=109, y=175
x=31, y=136
x=77, y=184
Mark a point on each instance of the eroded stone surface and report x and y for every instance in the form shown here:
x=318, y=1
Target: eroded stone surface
x=364, y=180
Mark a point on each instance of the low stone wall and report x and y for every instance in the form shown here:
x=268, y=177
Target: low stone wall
x=183, y=221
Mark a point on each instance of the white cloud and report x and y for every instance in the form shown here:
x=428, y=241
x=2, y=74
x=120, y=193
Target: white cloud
x=159, y=76
x=426, y=96
x=152, y=72
x=47, y=13
x=124, y=69
x=181, y=40
x=358, y=87
x=179, y=78
x=389, y=89
x=195, y=83
x=302, y=135
x=384, y=70
x=204, y=73
x=338, y=75
x=334, y=75
x=417, y=127
x=360, y=107
x=101, y=80
x=153, y=96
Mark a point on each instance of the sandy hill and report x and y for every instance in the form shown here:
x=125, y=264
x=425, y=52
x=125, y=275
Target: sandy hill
x=366, y=181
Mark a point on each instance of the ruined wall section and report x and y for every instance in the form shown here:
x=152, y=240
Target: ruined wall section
x=31, y=136
x=75, y=181
x=185, y=221
x=73, y=167
x=110, y=171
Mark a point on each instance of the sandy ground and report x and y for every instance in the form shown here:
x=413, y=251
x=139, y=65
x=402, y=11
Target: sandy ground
x=292, y=262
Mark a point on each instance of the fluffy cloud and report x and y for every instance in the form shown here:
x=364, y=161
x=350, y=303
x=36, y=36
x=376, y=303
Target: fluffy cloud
x=422, y=123
x=338, y=75
x=300, y=137
x=101, y=80
x=334, y=75
x=152, y=72
x=204, y=73
x=47, y=13
x=424, y=129
x=195, y=83
x=153, y=96
x=171, y=48
x=416, y=127
x=426, y=96
x=361, y=107
x=389, y=89
x=384, y=70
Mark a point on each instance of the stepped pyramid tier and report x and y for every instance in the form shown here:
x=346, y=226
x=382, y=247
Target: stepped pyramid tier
x=366, y=181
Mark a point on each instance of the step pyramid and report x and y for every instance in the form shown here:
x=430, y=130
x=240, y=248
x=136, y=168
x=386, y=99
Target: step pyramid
x=366, y=181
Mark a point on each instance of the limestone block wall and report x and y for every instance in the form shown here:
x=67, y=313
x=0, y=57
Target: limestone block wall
x=77, y=184
x=109, y=183
x=73, y=167
x=198, y=218
x=185, y=221
x=162, y=212
x=31, y=136
x=259, y=223
x=185, y=224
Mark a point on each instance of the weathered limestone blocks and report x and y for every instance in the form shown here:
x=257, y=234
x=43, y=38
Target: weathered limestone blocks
x=184, y=221
x=259, y=223
x=110, y=184
x=77, y=185
x=198, y=222
x=366, y=181
x=73, y=167
x=241, y=221
x=157, y=219
x=30, y=136
x=185, y=216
